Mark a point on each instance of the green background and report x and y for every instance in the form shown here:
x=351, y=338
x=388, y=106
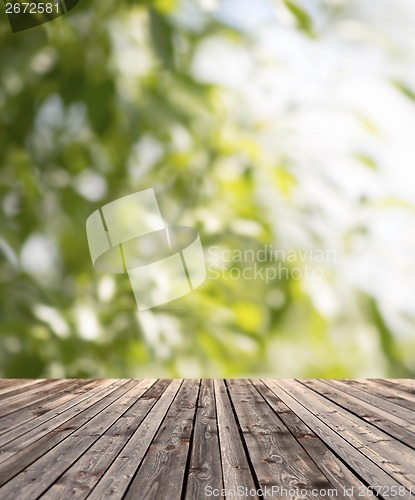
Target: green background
x=104, y=102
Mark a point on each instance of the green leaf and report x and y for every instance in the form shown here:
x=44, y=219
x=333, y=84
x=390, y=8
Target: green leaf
x=407, y=91
x=367, y=160
x=161, y=34
x=388, y=343
x=303, y=19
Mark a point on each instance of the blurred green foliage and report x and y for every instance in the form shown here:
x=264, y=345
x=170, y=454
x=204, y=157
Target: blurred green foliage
x=101, y=103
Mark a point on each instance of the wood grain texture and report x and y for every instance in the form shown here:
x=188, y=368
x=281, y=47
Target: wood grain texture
x=32, y=480
x=199, y=439
x=363, y=467
x=235, y=462
x=163, y=468
x=339, y=475
x=82, y=476
x=41, y=424
x=19, y=456
x=280, y=460
x=391, y=424
x=125, y=466
x=204, y=467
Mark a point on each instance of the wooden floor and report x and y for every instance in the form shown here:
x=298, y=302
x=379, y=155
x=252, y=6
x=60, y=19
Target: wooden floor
x=191, y=439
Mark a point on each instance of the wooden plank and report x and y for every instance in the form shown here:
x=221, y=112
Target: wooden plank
x=21, y=401
x=23, y=392
x=393, y=457
x=33, y=429
x=162, y=471
x=394, y=426
x=85, y=473
x=378, y=399
x=401, y=398
x=396, y=387
x=7, y=383
x=205, y=467
x=4, y=382
x=22, y=415
x=117, y=478
x=369, y=471
x=235, y=464
x=122, y=439
x=334, y=469
x=19, y=458
x=278, y=459
x=32, y=480
x=404, y=382
x=19, y=387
